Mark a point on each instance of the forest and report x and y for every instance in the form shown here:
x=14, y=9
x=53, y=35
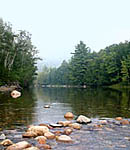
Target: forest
x=18, y=63
x=18, y=56
x=86, y=67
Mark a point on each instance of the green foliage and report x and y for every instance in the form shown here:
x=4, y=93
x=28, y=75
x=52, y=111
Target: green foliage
x=17, y=56
x=107, y=67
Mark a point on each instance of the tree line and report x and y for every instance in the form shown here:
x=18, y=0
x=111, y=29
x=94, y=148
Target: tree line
x=86, y=67
x=18, y=56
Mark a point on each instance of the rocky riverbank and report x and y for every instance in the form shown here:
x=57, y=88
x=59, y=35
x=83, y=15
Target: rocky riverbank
x=9, y=88
x=80, y=134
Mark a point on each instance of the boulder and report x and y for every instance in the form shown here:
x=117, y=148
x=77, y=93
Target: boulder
x=125, y=122
x=6, y=142
x=15, y=94
x=68, y=131
x=69, y=115
x=103, y=122
x=19, y=146
x=2, y=137
x=75, y=126
x=29, y=134
x=39, y=130
x=64, y=138
x=49, y=135
x=83, y=119
x=40, y=137
x=118, y=118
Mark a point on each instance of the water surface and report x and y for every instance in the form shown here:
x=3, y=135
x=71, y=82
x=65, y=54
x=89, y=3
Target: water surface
x=94, y=103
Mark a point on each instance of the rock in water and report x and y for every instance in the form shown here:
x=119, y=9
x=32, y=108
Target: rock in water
x=118, y=118
x=39, y=130
x=56, y=125
x=29, y=134
x=83, y=119
x=47, y=106
x=2, y=137
x=64, y=123
x=75, y=126
x=68, y=131
x=64, y=138
x=6, y=142
x=49, y=135
x=19, y=146
x=69, y=115
x=15, y=94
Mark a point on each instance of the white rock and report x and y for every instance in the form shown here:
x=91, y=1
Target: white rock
x=64, y=138
x=2, y=137
x=83, y=119
x=54, y=125
x=15, y=94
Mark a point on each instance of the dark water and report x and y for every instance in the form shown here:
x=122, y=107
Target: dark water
x=94, y=103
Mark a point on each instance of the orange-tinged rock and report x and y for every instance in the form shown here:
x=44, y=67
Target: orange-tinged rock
x=57, y=132
x=29, y=134
x=69, y=115
x=45, y=146
x=124, y=122
x=39, y=130
x=65, y=123
x=68, y=131
x=41, y=141
x=19, y=146
x=40, y=137
x=49, y=135
x=104, y=122
x=75, y=126
x=118, y=118
x=6, y=142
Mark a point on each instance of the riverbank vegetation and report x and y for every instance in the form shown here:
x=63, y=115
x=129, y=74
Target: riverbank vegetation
x=107, y=67
x=18, y=56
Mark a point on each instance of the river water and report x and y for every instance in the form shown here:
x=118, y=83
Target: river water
x=99, y=103
x=91, y=102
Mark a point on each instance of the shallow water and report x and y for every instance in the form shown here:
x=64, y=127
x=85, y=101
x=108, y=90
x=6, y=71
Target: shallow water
x=94, y=103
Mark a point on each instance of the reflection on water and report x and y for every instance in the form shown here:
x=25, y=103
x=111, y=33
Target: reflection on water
x=29, y=109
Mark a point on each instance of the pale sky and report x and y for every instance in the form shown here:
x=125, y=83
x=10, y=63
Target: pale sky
x=57, y=26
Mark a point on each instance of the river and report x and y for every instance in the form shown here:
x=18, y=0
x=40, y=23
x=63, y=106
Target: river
x=91, y=102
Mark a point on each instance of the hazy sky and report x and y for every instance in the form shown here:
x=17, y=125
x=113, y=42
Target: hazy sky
x=58, y=25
